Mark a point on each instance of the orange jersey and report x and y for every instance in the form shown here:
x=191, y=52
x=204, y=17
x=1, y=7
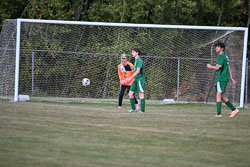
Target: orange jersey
x=125, y=72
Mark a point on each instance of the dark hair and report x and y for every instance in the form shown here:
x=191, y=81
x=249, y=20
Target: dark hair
x=221, y=45
x=137, y=50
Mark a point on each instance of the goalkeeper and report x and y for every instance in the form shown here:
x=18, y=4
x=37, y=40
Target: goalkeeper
x=124, y=72
x=223, y=74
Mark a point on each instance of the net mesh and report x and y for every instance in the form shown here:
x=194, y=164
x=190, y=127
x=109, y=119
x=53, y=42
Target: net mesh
x=7, y=59
x=54, y=58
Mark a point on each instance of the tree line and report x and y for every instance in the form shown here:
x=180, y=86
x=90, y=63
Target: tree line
x=178, y=12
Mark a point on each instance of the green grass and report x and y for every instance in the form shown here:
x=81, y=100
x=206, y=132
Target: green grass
x=95, y=134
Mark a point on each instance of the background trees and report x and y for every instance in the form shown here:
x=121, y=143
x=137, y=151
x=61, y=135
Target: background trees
x=182, y=12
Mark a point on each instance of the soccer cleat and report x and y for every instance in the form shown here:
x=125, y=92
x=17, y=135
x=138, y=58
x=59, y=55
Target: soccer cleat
x=119, y=107
x=234, y=113
x=131, y=110
x=138, y=106
x=218, y=116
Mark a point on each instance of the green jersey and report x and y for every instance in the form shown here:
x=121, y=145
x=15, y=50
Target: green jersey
x=223, y=73
x=139, y=64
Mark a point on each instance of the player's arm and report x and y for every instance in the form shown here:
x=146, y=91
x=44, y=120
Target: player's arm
x=230, y=75
x=219, y=63
x=134, y=74
x=213, y=67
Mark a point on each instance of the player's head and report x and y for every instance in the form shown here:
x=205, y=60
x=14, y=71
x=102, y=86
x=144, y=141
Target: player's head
x=124, y=58
x=135, y=52
x=220, y=46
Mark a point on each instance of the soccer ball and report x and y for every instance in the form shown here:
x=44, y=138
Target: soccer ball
x=85, y=82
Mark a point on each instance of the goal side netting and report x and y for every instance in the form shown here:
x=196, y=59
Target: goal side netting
x=54, y=56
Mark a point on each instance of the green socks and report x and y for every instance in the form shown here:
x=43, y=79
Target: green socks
x=218, y=105
x=230, y=105
x=143, y=105
x=132, y=102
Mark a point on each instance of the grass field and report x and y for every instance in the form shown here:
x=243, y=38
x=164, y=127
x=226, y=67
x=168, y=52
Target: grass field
x=97, y=134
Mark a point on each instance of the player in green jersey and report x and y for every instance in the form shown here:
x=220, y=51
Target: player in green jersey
x=223, y=74
x=139, y=82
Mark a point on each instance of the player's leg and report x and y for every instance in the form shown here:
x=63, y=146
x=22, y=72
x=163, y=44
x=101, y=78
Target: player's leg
x=140, y=88
x=227, y=101
x=132, y=101
x=136, y=102
x=122, y=89
x=234, y=111
x=224, y=98
x=138, y=105
x=218, y=99
x=132, y=97
x=218, y=104
x=141, y=95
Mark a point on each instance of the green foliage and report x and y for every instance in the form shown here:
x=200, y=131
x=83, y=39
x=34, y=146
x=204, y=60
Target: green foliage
x=11, y=9
x=184, y=12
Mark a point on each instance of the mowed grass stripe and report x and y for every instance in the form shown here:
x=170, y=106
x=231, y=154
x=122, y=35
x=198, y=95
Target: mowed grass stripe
x=83, y=134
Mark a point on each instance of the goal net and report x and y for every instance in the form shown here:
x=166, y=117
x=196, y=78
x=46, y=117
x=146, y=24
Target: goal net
x=46, y=58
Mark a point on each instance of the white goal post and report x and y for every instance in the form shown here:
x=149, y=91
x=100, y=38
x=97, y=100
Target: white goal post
x=174, y=55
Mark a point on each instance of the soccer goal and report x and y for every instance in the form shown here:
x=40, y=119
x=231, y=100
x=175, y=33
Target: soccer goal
x=49, y=58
